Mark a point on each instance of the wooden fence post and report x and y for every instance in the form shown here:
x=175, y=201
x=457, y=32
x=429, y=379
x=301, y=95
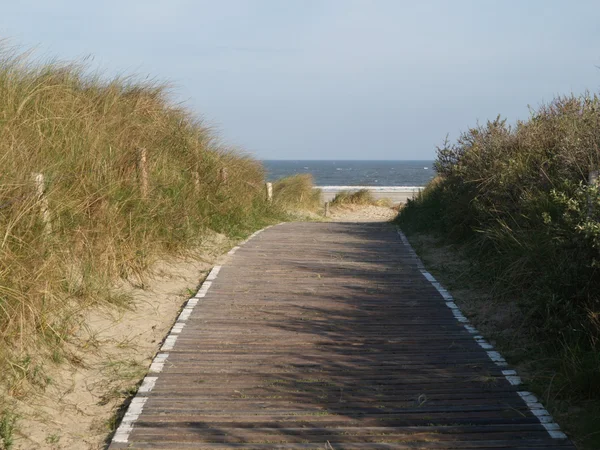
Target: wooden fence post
x=592, y=181
x=223, y=175
x=42, y=200
x=326, y=209
x=269, y=192
x=143, y=171
x=196, y=182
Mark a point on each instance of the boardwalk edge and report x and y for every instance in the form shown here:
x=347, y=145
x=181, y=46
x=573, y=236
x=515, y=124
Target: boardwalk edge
x=534, y=405
x=136, y=406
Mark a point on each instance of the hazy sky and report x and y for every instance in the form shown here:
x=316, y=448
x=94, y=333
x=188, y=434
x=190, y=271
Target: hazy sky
x=331, y=79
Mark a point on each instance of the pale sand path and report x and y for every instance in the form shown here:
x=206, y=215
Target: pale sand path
x=362, y=213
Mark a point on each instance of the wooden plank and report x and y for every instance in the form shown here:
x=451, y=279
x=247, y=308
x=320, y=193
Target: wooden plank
x=328, y=335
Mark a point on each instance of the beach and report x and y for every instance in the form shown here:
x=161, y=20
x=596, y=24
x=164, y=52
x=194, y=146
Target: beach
x=397, y=194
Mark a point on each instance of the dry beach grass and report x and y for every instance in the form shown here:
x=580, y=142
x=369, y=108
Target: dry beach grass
x=108, y=355
x=101, y=180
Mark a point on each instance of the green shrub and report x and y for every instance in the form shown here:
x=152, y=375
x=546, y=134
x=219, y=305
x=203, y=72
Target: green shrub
x=519, y=198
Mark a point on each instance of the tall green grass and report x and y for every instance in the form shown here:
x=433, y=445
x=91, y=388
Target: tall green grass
x=297, y=192
x=361, y=197
x=518, y=197
x=85, y=134
x=7, y=428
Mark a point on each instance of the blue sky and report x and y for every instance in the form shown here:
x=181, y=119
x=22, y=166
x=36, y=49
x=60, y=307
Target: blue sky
x=331, y=79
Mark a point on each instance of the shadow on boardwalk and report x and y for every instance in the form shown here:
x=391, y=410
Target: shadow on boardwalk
x=327, y=336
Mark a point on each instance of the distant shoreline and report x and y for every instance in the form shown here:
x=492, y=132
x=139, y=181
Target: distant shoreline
x=397, y=194
x=371, y=188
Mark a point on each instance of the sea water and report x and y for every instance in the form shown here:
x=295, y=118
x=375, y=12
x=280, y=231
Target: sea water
x=355, y=173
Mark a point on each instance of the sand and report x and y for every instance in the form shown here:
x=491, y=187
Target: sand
x=109, y=355
x=395, y=194
x=362, y=213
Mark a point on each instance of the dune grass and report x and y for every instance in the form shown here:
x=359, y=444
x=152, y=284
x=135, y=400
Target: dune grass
x=297, y=192
x=102, y=213
x=517, y=198
x=8, y=421
x=360, y=197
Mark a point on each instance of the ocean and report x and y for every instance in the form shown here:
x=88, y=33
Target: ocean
x=355, y=173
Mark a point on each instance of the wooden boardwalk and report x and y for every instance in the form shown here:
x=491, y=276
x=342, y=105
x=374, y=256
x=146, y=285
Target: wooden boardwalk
x=329, y=336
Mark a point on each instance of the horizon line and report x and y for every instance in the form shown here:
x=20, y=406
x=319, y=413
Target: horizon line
x=337, y=159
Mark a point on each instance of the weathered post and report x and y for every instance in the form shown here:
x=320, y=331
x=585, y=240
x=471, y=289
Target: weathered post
x=326, y=209
x=269, y=187
x=223, y=175
x=42, y=200
x=196, y=182
x=143, y=171
x=592, y=181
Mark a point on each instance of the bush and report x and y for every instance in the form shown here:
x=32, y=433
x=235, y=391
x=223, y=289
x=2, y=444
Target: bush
x=519, y=197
